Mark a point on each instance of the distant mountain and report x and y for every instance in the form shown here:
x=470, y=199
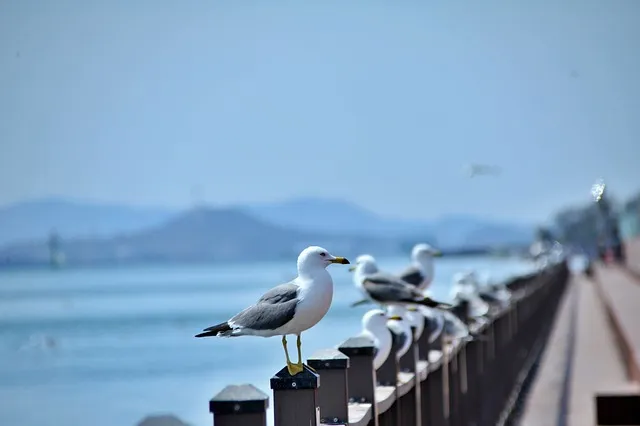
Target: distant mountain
x=455, y=231
x=35, y=219
x=198, y=235
x=336, y=216
x=94, y=232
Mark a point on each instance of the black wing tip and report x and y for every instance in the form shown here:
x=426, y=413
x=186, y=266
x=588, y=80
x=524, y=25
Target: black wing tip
x=427, y=301
x=214, y=330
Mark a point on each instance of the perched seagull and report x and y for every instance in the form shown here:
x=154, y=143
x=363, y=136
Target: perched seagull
x=454, y=328
x=400, y=329
x=289, y=308
x=465, y=288
x=416, y=320
x=374, y=326
x=448, y=325
x=540, y=251
x=387, y=289
x=420, y=272
x=435, y=322
x=497, y=293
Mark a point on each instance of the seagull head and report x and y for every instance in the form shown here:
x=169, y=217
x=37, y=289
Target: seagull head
x=397, y=313
x=416, y=319
x=466, y=279
x=374, y=321
x=313, y=258
x=365, y=266
x=424, y=253
x=365, y=263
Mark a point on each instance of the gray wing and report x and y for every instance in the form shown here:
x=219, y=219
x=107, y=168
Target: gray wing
x=412, y=275
x=274, y=309
x=383, y=287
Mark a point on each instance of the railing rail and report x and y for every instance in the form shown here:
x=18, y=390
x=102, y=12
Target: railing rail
x=438, y=384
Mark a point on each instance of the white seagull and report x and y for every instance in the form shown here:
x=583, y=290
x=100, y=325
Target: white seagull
x=416, y=320
x=387, y=289
x=374, y=326
x=465, y=287
x=421, y=271
x=400, y=328
x=289, y=308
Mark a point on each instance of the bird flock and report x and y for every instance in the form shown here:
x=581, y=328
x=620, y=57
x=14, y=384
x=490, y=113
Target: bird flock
x=405, y=302
x=405, y=309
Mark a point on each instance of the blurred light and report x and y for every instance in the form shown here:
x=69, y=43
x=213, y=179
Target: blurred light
x=597, y=190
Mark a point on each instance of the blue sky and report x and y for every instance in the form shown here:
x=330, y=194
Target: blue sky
x=380, y=103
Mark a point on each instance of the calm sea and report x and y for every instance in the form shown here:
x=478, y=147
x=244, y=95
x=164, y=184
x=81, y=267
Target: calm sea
x=106, y=347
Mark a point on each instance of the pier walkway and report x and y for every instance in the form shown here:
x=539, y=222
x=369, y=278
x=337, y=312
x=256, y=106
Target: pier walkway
x=590, y=373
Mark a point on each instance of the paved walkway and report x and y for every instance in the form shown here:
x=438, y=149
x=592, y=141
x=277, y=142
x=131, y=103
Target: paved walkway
x=632, y=249
x=543, y=404
x=620, y=292
x=596, y=364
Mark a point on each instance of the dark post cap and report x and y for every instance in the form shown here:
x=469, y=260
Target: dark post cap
x=306, y=379
x=328, y=359
x=359, y=345
x=239, y=399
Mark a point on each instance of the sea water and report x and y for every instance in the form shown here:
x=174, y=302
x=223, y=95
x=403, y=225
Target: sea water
x=107, y=347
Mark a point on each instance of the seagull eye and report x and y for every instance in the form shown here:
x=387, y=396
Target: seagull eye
x=323, y=254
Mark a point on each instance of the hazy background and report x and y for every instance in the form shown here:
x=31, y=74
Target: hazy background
x=377, y=102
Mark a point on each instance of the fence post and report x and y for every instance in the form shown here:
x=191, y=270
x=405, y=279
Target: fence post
x=333, y=395
x=473, y=388
x=423, y=343
x=361, y=375
x=453, y=381
x=409, y=404
x=387, y=375
x=295, y=398
x=239, y=405
x=433, y=395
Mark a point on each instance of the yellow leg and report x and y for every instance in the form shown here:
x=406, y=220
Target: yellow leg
x=291, y=367
x=286, y=351
x=299, y=345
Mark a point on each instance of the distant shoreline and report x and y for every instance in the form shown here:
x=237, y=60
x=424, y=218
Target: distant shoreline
x=7, y=265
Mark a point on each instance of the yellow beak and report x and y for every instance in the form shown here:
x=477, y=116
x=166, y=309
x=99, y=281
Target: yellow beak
x=341, y=260
x=412, y=309
x=436, y=253
x=396, y=318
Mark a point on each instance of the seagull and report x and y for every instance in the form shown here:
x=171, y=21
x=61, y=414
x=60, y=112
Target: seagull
x=416, y=320
x=454, y=328
x=420, y=272
x=400, y=329
x=289, y=308
x=435, y=322
x=445, y=323
x=374, y=326
x=497, y=293
x=481, y=170
x=387, y=289
x=465, y=288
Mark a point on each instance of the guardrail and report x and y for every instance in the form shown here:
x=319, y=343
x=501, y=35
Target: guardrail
x=440, y=384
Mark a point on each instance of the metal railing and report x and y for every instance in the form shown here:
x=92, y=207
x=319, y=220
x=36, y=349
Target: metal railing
x=439, y=384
